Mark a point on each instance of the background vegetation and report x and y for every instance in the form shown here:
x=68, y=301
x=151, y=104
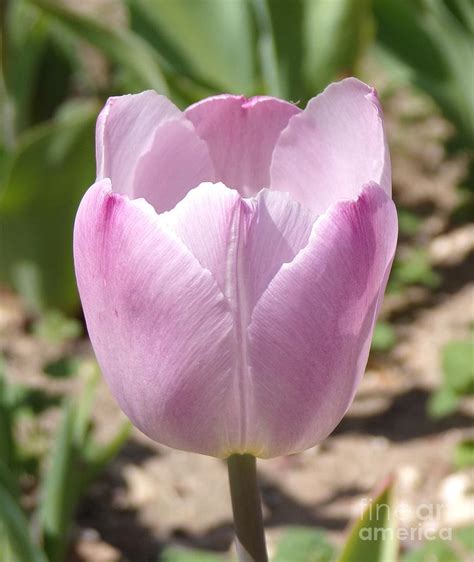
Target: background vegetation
x=60, y=60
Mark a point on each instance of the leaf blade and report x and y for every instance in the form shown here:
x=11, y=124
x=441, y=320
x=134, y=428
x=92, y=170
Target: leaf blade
x=373, y=536
x=122, y=46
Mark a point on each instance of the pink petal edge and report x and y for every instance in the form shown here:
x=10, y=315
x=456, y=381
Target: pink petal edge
x=151, y=309
x=310, y=333
x=241, y=134
x=334, y=146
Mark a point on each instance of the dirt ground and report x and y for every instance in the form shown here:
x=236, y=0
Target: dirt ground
x=152, y=496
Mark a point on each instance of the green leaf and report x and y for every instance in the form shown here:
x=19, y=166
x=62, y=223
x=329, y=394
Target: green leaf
x=465, y=537
x=267, y=50
x=60, y=490
x=24, y=43
x=373, y=537
x=173, y=554
x=26, y=278
x=384, y=337
x=458, y=378
x=464, y=454
x=39, y=63
x=403, y=29
x=301, y=544
x=76, y=459
x=413, y=269
x=285, y=41
x=437, y=49
x=123, y=47
x=63, y=480
x=201, y=39
x=82, y=419
x=464, y=12
x=52, y=167
x=63, y=367
x=93, y=456
x=9, y=480
x=29, y=402
x=98, y=456
x=437, y=550
x=458, y=366
x=317, y=42
x=335, y=34
x=55, y=327
x=5, y=137
x=7, y=555
x=14, y=524
x=54, y=77
x=409, y=223
x=442, y=403
x=7, y=442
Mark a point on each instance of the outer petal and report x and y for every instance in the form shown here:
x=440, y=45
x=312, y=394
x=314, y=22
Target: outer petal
x=241, y=135
x=160, y=327
x=310, y=333
x=333, y=147
x=243, y=243
x=125, y=129
x=149, y=149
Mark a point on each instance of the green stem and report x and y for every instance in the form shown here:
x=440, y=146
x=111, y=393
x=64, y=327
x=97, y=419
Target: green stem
x=248, y=520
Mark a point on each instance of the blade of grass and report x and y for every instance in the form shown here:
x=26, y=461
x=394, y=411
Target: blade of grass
x=267, y=49
x=7, y=448
x=59, y=491
x=14, y=525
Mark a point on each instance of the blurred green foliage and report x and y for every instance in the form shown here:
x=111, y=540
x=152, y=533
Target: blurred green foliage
x=384, y=337
x=303, y=544
x=76, y=458
x=188, y=49
x=413, y=268
x=458, y=378
x=464, y=454
x=173, y=554
x=52, y=164
x=373, y=537
x=55, y=327
x=434, y=42
x=408, y=222
x=459, y=549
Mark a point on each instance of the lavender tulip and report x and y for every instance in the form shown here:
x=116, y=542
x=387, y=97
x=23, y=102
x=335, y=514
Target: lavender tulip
x=231, y=260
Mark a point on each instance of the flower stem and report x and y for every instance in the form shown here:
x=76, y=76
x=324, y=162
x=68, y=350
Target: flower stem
x=248, y=520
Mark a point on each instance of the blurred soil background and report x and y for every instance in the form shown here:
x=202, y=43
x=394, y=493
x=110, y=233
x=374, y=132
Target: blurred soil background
x=150, y=497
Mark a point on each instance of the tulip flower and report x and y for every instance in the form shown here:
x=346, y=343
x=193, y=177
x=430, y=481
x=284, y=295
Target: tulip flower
x=231, y=260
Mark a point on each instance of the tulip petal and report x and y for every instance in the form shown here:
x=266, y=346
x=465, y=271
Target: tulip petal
x=241, y=135
x=204, y=221
x=310, y=332
x=125, y=130
x=177, y=161
x=160, y=327
x=281, y=227
x=242, y=242
x=333, y=147
x=149, y=149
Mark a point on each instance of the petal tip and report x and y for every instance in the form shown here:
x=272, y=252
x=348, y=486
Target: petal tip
x=373, y=97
